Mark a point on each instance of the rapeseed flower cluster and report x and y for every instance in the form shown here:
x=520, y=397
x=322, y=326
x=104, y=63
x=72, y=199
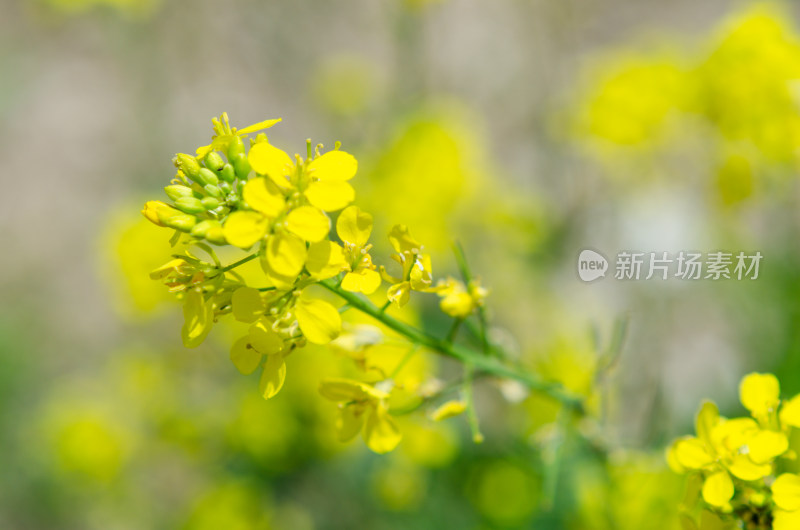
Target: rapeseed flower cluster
x=738, y=465
x=281, y=210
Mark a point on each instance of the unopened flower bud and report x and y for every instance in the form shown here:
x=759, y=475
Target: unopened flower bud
x=213, y=161
x=215, y=234
x=188, y=164
x=235, y=148
x=213, y=190
x=183, y=222
x=157, y=212
x=190, y=205
x=176, y=191
x=224, y=187
x=206, y=177
x=210, y=203
x=227, y=173
x=201, y=229
x=241, y=165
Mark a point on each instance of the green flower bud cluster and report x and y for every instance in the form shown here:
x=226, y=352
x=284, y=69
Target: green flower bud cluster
x=205, y=190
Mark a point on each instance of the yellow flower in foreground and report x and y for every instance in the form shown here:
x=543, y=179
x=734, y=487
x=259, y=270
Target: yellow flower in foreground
x=225, y=134
x=354, y=228
x=760, y=394
x=417, y=270
x=448, y=410
x=736, y=458
x=291, y=195
x=362, y=409
x=458, y=300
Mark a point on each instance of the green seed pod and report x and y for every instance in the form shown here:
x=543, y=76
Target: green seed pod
x=210, y=203
x=176, y=191
x=182, y=222
x=213, y=161
x=235, y=148
x=190, y=205
x=241, y=165
x=188, y=164
x=206, y=177
x=225, y=187
x=227, y=173
x=213, y=190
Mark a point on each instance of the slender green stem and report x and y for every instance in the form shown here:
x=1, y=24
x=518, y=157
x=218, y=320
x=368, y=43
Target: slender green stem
x=463, y=266
x=472, y=415
x=451, y=335
x=237, y=263
x=385, y=306
x=483, y=363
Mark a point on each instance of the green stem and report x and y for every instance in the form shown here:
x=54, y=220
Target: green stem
x=237, y=263
x=478, y=361
x=472, y=415
x=463, y=266
x=451, y=335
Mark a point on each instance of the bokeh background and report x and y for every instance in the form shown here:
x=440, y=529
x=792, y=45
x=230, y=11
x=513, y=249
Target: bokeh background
x=527, y=129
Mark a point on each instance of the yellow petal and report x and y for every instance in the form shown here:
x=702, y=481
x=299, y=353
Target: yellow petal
x=380, y=431
x=309, y=223
x=718, y=489
x=786, y=491
x=264, y=339
x=198, y=319
x=349, y=422
x=244, y=357
x=671, y=456
x=399, y=293
x=731, y=435
x=334, y=165
x=266, y=124
x=362, y=281
x=759, y=393
x=458, y=305
x=448, y=410
x=402, y=241
x=330, y=195
x=707, y=418
x=325, y=260
x=286, y=254
x=742, y=467
x=243, y=229
x=319, y=321
x=246, y=304
x=266, y=159
x=273, y=376
x=344, y=390
x=790, y=412
x=279, y=281
x=354, y=226
x=173, y=266
x=766, y=446
x=692, y=453
x=263, y=195
x=785, y=520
